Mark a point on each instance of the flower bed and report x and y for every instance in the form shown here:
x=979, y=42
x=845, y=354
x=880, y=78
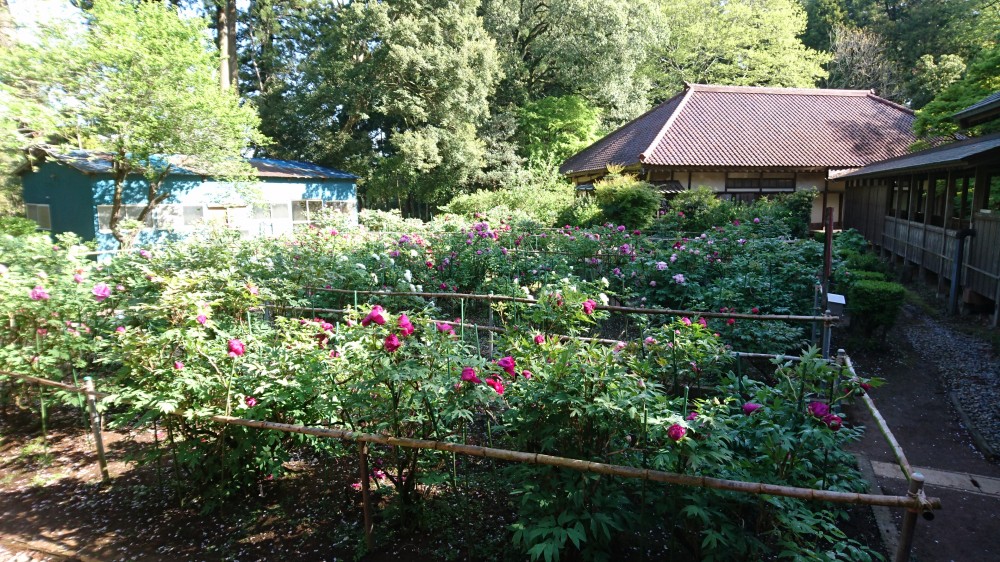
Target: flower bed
x=182, y=329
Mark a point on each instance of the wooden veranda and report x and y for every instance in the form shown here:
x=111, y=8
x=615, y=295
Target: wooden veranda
x=915, y=209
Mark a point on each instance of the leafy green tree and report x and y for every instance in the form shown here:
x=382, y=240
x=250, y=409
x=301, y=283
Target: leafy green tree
x=981, y=80
x=592, y=48
x=742, y=42
x=822, y=16
x=139, y=82
x=554, y=128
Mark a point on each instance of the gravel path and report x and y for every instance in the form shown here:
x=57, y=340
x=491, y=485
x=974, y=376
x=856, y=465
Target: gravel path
x=967, y=367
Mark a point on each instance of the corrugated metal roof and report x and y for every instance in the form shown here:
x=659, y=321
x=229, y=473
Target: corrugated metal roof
x=93, y=162
x=944, y=156
x=735, y=126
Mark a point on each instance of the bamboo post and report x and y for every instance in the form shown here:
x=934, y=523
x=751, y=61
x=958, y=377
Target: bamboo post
x=909, y=520
x=95, y=425
x=366, y=495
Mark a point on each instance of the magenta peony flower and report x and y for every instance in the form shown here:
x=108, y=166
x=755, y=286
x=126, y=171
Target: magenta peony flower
x=496, y=384
x=77, y=278
x=178, y=365
x=250, y=401
x=101, y=291
x=832, y=421
x=818, y=409
x=526, y=374
x=866, y=387
x=750, y=408
x=588, y=306
x=445, y=328
x=392, y=343
x=405, y=326
x=539, y=339
x=469, y=375
x=676, y=432
x=692, y=416
x=686, y=321
x=120, y=329
x=39, y=294
x=236, y=348
x=202, y=319
x=145, y=254
x=374, y=316
x=507, y=364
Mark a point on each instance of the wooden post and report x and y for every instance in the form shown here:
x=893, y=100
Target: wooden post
x=909, y=520
x=490, y=304
x=366, y=496
x=95, y=425
x=827, y=329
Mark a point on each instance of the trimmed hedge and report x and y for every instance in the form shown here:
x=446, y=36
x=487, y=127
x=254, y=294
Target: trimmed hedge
x=875, y=304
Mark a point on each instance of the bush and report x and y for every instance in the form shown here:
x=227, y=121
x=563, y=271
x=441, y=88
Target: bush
x=626, y=200
x=698, y=209
x=863, y=262
x=583, y=212
x=875, y=304
x=17, y=226
x=542, y=203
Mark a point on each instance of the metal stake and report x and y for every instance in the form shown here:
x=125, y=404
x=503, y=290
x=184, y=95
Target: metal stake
x=95, y=425
x=366, y=496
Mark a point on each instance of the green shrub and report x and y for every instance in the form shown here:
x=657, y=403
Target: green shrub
x=850, y=240
x=541, y=203
x=875, y=305
x=583, y=212
x=863, y=262
x=626, y=200
x=698, y=209
x=17, y=226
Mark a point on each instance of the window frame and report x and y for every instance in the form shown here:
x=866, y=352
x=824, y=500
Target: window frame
x=34, y=216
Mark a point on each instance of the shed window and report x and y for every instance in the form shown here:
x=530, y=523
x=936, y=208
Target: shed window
x=127, y=212
x=40, y=214
x=306, y=210
x=759, y=183
x=272, y=212
x=193, y=215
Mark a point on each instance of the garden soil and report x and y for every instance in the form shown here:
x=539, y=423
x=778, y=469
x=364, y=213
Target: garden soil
x=53, y=508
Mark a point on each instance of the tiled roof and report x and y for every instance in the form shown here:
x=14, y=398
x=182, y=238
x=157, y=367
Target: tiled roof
x=93, y=162
x=944, y=156
x=737, y=126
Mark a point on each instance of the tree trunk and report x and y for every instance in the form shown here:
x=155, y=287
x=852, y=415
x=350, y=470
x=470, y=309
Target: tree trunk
x=6, y=26
x=225, y=22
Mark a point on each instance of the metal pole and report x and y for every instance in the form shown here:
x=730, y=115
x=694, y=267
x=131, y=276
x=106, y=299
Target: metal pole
x=366, y=496
x=827, y=332
x=95, y=425
x=491, y=324
x=909, y=520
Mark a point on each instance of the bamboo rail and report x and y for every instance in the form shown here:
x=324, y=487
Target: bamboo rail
x=651, y=311
x=883, y=426
x=916, y=502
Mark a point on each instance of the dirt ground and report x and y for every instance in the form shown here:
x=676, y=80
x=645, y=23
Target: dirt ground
x=52, y=506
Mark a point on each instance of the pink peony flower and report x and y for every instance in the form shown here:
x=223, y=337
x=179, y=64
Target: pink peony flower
x=619, y=346
x=650, y=340
x=101, y=291
x=731, y=321
x=39, y=294
x=253, y=290
x=178, y=365
x=703, y=322
x=526, y=374
x=832, y=421
x=250, y=401
x=692, y=416
x=236, y=348
x=374, y=316
x=145, y=254
x=202, y=319
x=392, y=343
x=77, y=278
x=755, y=310
x=818, y=409
x=750, y=408
x=676, y=432
x=119, y=287
x=756, y=220
x=120, y=329
x=469, y=375
x=686, y=321
x=588, y=306
x=405, y=326
x=507, y=364
x=679, y=279
x=496, y=384
x=539, y=339
x=445, y=328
